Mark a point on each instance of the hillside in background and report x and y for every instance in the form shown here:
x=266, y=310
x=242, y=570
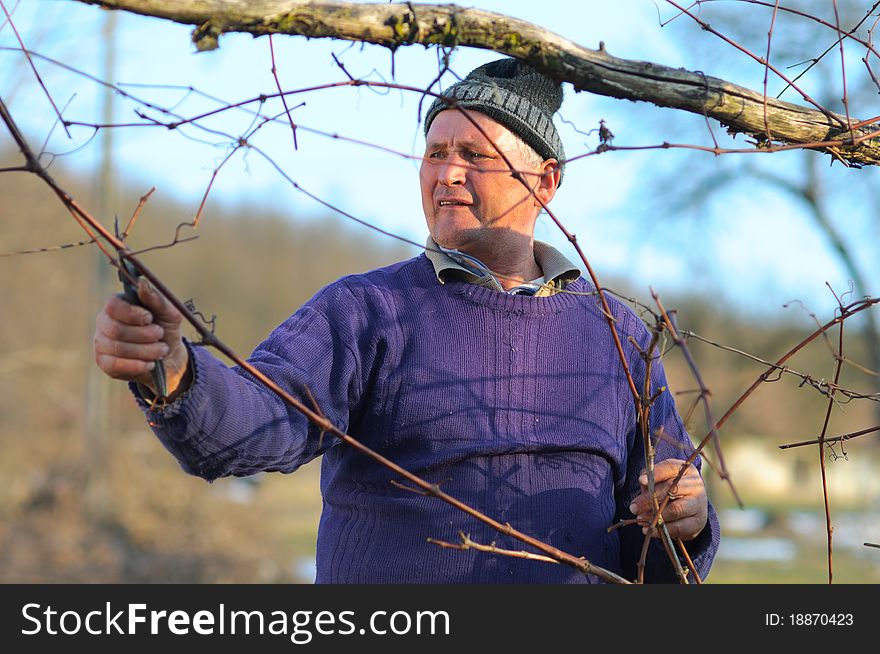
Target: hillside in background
x=87, y=494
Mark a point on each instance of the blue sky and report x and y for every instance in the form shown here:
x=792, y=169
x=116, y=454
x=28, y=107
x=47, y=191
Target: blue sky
x=759, y=252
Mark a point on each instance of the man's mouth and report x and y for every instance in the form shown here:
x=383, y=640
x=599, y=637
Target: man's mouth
x=452, y=203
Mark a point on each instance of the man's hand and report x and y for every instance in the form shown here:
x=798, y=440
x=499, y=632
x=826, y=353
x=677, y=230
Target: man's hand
x=687, y=511
x=129, y=340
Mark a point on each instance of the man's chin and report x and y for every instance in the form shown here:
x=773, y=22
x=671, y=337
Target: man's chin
x=458, y=239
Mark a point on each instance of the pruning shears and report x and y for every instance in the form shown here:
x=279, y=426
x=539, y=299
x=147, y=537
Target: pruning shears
x=129, y=294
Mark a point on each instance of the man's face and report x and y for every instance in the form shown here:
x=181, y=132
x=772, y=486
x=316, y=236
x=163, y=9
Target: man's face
x=468, y=193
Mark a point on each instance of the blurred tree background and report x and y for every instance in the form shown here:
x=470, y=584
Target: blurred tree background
x=841, y=206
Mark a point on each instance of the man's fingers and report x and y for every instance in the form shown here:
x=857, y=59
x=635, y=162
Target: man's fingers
x=121, y=331
x=687, y=528
x=679, y=509
x=122, y=349
x=163, y=311
x=686, y=502
x=683, y=518
x=667, y=469
x=124, y=369
x=118, y=309
x=687, y=487
x=674, y=509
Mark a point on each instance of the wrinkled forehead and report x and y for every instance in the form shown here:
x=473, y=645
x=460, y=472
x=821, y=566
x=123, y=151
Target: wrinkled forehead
x=451, y=128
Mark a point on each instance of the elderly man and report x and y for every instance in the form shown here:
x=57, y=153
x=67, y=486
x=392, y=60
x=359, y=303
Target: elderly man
x=485, y=365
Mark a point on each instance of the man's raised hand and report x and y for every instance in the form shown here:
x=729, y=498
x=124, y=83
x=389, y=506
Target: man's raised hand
x=129, y=340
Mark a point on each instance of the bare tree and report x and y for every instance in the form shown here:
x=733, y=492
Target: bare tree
x=395, y=25
x=808, y=42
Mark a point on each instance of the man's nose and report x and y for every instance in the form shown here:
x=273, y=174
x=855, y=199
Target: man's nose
x=453, y=171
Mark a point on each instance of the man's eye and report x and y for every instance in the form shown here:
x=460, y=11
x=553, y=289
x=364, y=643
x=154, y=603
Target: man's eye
x=476, y=156
x=436, y=155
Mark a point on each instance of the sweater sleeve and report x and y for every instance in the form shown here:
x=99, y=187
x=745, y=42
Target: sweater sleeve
x=228, y=423
x=676, y=445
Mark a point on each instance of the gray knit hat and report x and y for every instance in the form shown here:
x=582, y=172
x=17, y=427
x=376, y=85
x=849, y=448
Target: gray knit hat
x=515, y=95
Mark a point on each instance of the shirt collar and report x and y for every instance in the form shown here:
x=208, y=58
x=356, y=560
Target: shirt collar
x=558, y=270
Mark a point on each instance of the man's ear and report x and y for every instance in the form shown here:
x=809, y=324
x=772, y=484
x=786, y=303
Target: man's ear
x=548, y=181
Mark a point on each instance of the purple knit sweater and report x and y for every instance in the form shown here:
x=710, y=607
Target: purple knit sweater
x=515, y=405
